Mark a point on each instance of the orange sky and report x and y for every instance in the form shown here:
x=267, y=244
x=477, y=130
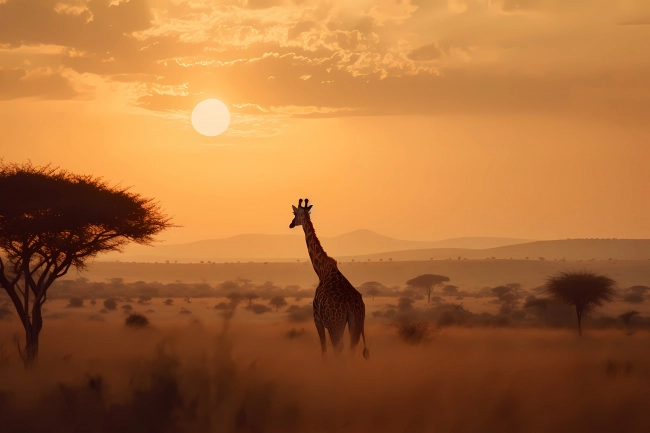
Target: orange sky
x=417, y=119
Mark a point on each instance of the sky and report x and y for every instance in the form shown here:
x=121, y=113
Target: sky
x=421, y=120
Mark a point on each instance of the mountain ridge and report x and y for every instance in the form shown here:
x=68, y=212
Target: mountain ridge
x=292, y=246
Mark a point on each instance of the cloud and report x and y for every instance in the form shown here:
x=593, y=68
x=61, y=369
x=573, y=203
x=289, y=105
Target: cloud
x=337, y=58
x=425, y=53
x=39, y=83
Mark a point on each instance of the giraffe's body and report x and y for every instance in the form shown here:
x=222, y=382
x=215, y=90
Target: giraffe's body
x=336, y=302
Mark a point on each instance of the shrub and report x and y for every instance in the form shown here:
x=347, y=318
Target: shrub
x=137, y=321
x=258, y=308
x=110, y=304
x=413, y=333
x=76, y=302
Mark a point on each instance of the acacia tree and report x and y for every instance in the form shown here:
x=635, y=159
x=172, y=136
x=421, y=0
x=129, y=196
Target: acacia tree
x=428, y=282
x=373, y=288
x=278, y=302
x=251, y=296
x=450, y=289
x=583, y=290
x=52, y=220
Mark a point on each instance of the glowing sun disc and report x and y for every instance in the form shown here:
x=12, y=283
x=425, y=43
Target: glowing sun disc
x=210, y=117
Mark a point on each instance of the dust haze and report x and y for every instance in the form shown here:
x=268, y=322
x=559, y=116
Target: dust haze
x=219, y=357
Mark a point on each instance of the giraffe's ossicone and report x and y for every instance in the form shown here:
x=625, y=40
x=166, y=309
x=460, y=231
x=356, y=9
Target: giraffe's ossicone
x=336, y=302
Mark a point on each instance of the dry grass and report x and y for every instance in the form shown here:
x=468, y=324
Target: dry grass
x=205, y=377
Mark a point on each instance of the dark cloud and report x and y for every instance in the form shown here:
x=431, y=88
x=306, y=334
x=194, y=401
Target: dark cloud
x=425, y=53
x=101, y=26
x=44, y=84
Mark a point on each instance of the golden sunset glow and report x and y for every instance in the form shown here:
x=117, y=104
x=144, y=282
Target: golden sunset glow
x=210, y=117
x=524, y=118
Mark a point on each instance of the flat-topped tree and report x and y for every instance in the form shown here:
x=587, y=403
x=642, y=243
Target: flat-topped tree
x=428, y=282
x=52, y=220
x=582, y=290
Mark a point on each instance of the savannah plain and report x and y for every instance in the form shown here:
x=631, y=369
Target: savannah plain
x=463, y=362
x=478, y=171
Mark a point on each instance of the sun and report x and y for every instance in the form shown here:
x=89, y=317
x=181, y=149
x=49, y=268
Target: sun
x=210, y=117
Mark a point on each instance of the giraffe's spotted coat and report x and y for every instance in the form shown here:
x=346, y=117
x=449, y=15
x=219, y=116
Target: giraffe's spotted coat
x=336, y=301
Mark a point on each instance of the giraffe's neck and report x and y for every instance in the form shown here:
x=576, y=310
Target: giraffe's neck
x=319, y=258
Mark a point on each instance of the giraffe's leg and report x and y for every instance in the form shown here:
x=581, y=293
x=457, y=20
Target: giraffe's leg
x=336, y=335
x=323, y=341
x=355, y=330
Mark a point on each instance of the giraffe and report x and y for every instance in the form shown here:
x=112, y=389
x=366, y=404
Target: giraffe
x=336, y=301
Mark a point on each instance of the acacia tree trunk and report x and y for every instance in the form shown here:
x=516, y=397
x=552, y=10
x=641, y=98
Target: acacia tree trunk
x=429, y=291
x=32, y=333
x=579, y=314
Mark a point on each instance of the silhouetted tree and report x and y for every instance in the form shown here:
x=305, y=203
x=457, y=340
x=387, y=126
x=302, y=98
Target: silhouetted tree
x=251, y=296
x=627, y=316
x=373, y=288
x=235, y=297
x=169, y=302
x=52, y=220
x=450, y=289
x=534, y=302
x=278, y=302
x=635, y=294
x=583, y=290
x=428, y=282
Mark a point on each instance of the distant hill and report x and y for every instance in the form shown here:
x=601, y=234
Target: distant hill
x=569, y=249
x=292, y=246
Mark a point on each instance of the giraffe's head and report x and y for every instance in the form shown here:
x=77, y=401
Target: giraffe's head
x=300, y=213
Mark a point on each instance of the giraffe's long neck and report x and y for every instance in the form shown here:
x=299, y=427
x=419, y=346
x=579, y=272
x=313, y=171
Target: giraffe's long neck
x=319, y=258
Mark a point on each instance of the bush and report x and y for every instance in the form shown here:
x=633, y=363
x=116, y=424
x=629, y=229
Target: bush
x=5, y=312
x=137, y=321
x=127, y=308
x=413, y=333
x=258, y=308
x=76, y=302
x=110, y=304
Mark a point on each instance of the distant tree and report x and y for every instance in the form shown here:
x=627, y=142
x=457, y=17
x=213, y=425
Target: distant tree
x=278, y=302
x=144, y=300
x=169, y=302
x=251, y=296
x=450, y=289
x=405, y=304
x=428, y=282
x=110, y=304
x=627, y=316
x=235, y=297
x=535, y=302
x=127, y=308
x=635, y=294
x=52, y=220
x=583, y=290
x=372, y=288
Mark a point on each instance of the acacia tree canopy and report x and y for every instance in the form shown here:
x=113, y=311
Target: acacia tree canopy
x=51, y=220
x=583, y=290
x=427, y=282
